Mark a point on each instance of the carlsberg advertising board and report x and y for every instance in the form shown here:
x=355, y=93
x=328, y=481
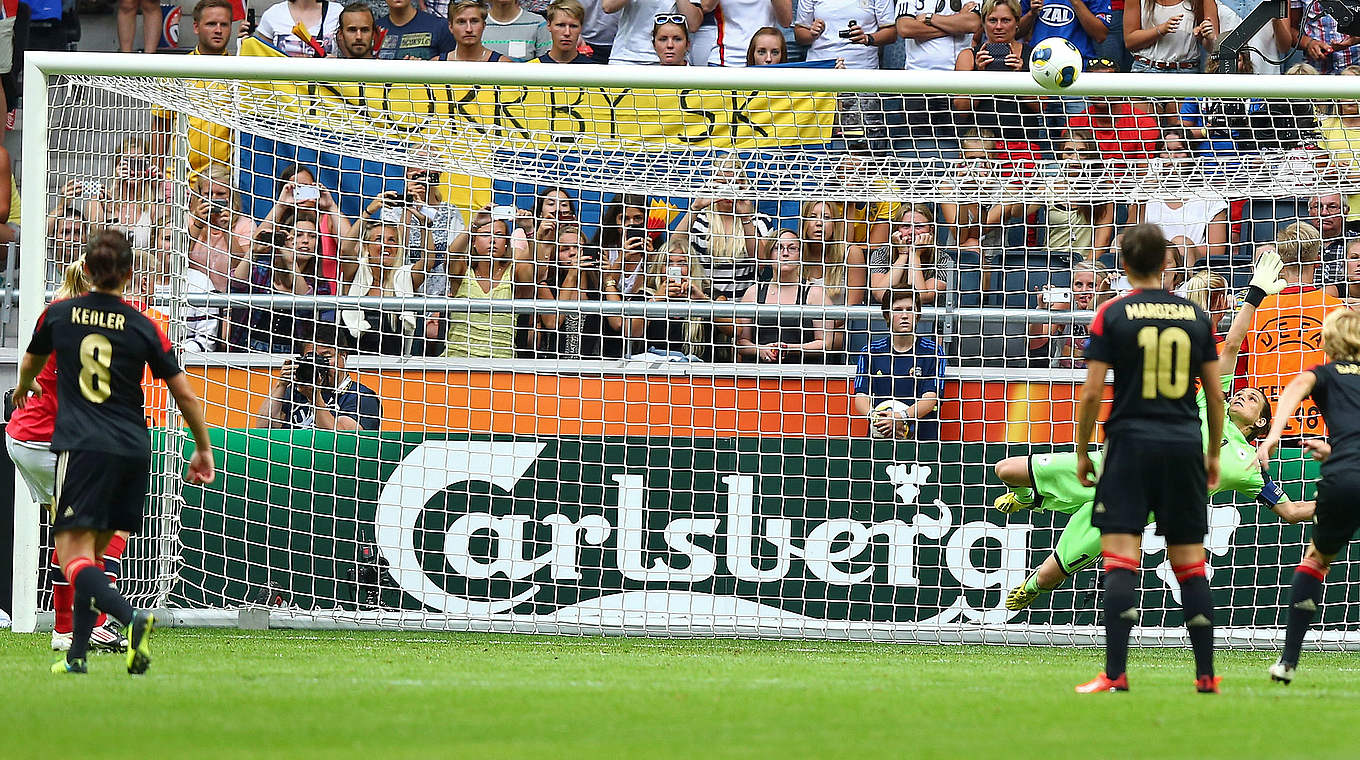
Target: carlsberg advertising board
x=774, y=536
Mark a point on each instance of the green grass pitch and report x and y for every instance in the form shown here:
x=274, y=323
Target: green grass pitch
x=235, y=694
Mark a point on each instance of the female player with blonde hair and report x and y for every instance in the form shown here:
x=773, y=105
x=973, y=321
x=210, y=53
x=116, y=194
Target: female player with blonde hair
x=1335, y=388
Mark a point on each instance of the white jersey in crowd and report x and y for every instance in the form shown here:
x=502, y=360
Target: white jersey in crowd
x=1190, y=221
x=939, y=54
x=870, y=15
x=599, y=27
x=738, y=22
x=276, y=27
x=202, y=325
x=633, y=38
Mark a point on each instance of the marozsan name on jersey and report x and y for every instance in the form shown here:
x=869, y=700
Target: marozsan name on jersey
x=1179, y=311
x=95, y=318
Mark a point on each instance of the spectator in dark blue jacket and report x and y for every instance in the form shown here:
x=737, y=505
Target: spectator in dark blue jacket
x=905, y=368
x=413, y=33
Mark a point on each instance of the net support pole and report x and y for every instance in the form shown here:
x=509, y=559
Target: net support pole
x=32, y=268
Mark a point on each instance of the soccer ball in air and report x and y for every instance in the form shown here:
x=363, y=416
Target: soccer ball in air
x=1055, y=63
x=890, y=409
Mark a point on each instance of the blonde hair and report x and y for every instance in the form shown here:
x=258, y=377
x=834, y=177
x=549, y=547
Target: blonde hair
x=1299, y=244
x=1200, y=289
x=726, y=238
x=1341, y=335
x=219, y=174
x=835, y=270
x=696, y=330
x=991, y=5
x=73, y=282
x=458, y=6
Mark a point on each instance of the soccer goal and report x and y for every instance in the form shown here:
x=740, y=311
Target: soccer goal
x=605, y=350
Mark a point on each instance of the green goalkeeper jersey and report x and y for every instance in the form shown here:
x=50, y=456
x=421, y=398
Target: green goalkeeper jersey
x=1238, y=470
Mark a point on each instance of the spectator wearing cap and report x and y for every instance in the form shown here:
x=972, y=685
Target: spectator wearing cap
x=1169, y=36
x=565, y=19
x=411, y=33
x=1327, y=48
x=1083, y=24
x=637, y=19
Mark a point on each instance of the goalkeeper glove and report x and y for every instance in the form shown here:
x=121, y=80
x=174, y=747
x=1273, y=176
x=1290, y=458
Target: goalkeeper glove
x=1265, y=278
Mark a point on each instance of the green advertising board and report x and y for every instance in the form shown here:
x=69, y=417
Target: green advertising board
x=831, y=533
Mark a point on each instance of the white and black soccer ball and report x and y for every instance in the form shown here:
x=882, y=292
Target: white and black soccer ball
x=891, y=409
x=1055, y=63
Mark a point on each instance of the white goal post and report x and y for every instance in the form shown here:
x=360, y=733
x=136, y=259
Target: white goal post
x=570, y=439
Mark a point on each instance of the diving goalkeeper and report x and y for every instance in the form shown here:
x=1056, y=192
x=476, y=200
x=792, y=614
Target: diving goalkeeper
x=1049, y=481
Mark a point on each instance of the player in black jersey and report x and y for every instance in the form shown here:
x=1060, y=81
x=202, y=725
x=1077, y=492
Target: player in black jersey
x=1335, y=388
x=1157, y=344
x=103, y=450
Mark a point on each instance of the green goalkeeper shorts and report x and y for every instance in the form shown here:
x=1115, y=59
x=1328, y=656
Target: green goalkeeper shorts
x=1055, y=481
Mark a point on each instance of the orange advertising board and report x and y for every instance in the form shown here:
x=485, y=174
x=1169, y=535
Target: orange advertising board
x=657, y=405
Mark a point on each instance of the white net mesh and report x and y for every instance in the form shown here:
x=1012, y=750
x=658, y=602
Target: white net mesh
x=622, y=364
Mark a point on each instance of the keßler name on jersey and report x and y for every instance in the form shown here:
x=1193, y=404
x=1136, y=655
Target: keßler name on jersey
x=1175, y=311
x=108, y=320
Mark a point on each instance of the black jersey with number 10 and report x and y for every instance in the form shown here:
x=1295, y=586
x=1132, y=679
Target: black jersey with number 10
x=1157, y=343
x=101, y=343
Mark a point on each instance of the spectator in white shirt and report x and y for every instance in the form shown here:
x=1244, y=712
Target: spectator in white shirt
x=933, y=34
x=633, y=39
x=738, y=22
x=670, y=39
x=320, y=18
x=850, y=32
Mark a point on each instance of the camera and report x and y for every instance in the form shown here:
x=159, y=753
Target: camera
x=848, y=30
x=313, y=369
x=1056, y=295
x=303, y=193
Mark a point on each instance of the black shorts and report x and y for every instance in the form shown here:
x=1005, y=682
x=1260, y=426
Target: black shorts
x=1338, y=515
x=1167, y=480
x=100, y=491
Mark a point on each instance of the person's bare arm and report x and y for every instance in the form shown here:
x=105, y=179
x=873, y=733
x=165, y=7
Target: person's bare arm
x=923, y=406
x=1217, y=237
x=913, y=28
x=783, y=11
x=1213, y=397
x=1088, y=409
x=1094, y=27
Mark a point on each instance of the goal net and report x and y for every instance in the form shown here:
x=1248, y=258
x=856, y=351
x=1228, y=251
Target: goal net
x=689, y=352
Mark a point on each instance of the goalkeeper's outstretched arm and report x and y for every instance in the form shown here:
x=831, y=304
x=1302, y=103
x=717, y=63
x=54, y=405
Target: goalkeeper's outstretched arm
x=1265, y=281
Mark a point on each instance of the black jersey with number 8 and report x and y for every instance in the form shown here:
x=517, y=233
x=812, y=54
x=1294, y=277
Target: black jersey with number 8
x=1157, y=343
x=102, y=344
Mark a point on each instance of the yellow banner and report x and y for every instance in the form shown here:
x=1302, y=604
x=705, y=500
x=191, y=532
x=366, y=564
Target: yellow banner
x=548, y=118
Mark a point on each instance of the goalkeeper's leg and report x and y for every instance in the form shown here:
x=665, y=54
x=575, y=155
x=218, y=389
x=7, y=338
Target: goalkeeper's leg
x=1043, y=481
x=1078, y=548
